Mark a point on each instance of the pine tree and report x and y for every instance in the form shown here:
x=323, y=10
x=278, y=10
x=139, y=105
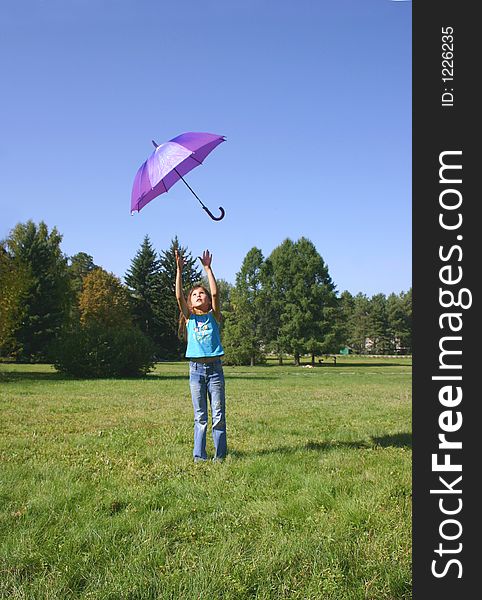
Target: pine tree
x=81, y=264
x=245, y=331
x=378, y=324
x=347, y=304
x=399, y=312
x=359, y=324
x=143, y=275
x=406, y=333
x=192, y=274
x=144, y=282
x=303, y=296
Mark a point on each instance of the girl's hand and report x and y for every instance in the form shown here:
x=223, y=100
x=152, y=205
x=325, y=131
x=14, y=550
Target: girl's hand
x=206, y=259
x=179, y=260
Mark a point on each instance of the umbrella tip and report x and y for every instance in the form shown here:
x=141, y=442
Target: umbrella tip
x=155, y=145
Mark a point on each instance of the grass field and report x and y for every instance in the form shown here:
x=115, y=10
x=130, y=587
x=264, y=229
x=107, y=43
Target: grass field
x=100, y=498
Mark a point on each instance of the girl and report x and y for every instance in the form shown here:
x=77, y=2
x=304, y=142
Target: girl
x=199, y=322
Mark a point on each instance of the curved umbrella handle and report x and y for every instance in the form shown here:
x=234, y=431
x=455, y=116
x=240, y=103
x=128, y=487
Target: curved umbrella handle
x=211, y=214
x=199, y=199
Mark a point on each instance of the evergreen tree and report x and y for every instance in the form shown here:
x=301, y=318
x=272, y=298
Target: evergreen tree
x=347, y=307
x=81, y=264
x=144, y=281
x=225, y=292
x=378, y=325
x=278, y=277
x=143, y=275
x=303, y=296
x=399, y=313
x=244, y=334
x=191, y=275
x=406, y=331
x=48, y=299
x=359, y=326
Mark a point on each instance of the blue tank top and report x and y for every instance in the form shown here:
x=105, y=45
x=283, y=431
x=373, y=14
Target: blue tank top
x=203, y=337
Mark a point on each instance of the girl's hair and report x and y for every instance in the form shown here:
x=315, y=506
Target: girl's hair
x=182, y=330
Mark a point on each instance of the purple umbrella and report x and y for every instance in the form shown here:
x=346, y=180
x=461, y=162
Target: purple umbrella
x=170, y=162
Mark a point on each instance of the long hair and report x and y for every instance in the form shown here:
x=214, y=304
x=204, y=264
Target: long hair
x=182, y=330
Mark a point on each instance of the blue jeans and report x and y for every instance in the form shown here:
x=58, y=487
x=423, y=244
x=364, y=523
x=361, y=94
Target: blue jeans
x=206, y=380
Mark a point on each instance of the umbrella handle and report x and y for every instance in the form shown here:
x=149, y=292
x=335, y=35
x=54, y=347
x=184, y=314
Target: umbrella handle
x=199, y=199
x=211, y=214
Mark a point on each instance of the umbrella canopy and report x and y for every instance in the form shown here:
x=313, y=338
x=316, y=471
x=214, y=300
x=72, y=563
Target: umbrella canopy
x=170, y=162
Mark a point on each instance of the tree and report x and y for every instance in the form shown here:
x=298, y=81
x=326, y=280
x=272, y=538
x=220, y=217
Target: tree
x=47, y=300
x=104, y=300
x=378, y=324
x=399, y=314
x=225, y=292
x=347, y=307
x=15, y=281
x=303, y=296
x=244, y=334
x=328, y=333
x=358, y=323
x=103, y=342
x=405, y=332
x=191, y=275
x=97, y=350
x=144, y=281
x=81, y=264
x=143, y=275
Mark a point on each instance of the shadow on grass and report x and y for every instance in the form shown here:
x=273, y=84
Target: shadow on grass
x=32, y=376
x=14, y=376
x=227, y=376
x=397, y=440
x=362, y=364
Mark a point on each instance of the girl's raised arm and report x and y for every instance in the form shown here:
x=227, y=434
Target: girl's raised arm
x=179, y=293
x=213, y=287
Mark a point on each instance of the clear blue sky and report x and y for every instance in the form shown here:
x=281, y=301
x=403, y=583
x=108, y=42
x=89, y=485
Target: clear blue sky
x=314, y=98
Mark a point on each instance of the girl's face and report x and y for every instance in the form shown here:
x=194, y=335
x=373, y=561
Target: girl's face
x=200, y=301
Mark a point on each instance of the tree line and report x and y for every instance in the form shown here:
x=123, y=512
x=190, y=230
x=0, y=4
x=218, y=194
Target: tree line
x=72, y=312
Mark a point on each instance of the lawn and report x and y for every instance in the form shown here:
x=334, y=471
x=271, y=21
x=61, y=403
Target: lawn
x=100, y=498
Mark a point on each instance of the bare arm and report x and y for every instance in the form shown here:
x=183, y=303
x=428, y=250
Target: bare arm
x=213, y=287
x=179, y=293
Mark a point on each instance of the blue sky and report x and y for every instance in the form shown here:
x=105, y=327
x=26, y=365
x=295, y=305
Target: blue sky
x=314, y=98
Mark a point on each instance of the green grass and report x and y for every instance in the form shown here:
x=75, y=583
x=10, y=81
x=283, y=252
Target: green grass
x=100, y=498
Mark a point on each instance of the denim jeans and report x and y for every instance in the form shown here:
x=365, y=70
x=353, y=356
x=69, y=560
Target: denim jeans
x=206, y=380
